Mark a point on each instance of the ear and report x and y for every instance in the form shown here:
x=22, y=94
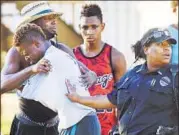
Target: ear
x=102, y=26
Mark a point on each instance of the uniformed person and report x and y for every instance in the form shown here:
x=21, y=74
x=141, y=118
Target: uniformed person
x=144, y=94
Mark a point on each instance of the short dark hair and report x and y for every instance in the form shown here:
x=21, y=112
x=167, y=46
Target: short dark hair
x=27, y=32
x=91, y=10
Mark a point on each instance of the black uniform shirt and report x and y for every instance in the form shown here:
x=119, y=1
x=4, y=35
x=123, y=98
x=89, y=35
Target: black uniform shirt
x=145, y=100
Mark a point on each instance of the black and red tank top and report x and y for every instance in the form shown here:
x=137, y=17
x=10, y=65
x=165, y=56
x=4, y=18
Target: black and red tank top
x=101, y=64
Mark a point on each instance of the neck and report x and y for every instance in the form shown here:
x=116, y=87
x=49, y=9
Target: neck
x=153, y=67
x=49, y=35
x=93, y=47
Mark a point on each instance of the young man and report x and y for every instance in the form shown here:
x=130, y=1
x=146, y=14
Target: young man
x=173, y=29
x=49, y=88
x=147, y=95
x=108, y=63
x=17, y=68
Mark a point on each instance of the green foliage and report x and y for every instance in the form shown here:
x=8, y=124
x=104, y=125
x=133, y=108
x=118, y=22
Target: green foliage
x=5, y=126
x=21, y=4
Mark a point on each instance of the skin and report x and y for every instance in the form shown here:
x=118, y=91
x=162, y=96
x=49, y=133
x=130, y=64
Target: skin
x=35, y=50
x=91, y=29
x=48, y=25
x=18, y=68
x=157, y=56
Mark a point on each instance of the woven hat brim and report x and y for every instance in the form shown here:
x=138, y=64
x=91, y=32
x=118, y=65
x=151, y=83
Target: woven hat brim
x=35, y=17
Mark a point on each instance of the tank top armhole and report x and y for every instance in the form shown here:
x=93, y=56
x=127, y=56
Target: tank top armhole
x=110, y=59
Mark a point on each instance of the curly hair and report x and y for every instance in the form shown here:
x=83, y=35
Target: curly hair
x=27, y=33
x=89, y=10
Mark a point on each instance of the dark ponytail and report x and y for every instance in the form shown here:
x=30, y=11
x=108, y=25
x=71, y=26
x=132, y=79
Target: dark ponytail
x=137, y=48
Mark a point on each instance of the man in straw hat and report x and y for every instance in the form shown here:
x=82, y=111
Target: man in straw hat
x=17, y=68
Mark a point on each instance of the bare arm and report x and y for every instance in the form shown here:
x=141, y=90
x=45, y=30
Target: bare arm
x=119, y=67
x=11, y=76
x=98, y=102
x=118, y=64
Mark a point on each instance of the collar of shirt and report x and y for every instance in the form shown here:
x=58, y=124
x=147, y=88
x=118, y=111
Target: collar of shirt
x=50, y=49
x=144, y=70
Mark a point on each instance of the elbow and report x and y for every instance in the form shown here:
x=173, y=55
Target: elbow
x=4, y=87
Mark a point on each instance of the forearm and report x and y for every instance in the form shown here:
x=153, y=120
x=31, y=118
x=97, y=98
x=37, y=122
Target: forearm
x=12, y=81
x=98, y=102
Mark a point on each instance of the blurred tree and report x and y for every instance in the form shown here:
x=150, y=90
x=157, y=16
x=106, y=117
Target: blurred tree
x=6, y=41
x=20, y=4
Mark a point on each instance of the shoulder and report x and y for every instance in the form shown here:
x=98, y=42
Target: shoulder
x=76, y=48
x=58, y=45
x=61, y=44
x=12, y=61
x=13, y=54
x=136, y=68
x=118, y=58
x=116, y=54
x=129, y=74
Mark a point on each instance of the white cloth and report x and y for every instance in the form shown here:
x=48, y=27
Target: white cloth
x=50, y=89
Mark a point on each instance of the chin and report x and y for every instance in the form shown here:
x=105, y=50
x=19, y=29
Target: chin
x=166, y=62
x=51, y=35
x=91, y=41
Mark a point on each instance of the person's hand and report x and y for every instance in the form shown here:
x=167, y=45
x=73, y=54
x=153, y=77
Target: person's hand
x=88, y=77
x=42, y=66
x=72, y=95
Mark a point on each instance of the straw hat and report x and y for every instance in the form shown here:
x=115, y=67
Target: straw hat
x=36, y=10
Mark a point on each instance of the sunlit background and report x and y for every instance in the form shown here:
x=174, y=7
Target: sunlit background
x=126, y=22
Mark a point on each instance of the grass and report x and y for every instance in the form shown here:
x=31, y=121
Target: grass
x=9, y=106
